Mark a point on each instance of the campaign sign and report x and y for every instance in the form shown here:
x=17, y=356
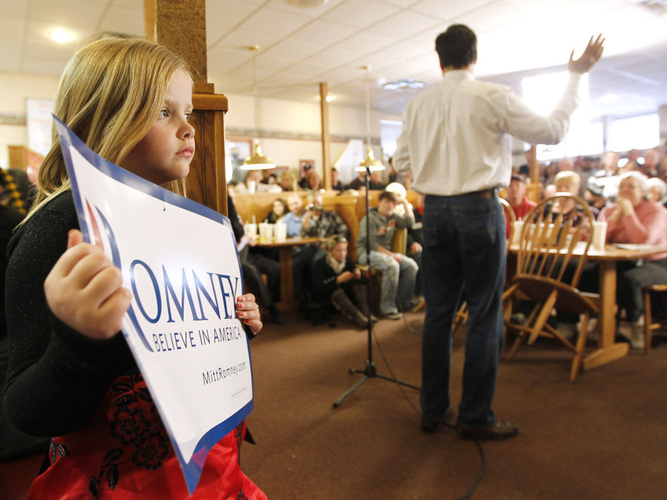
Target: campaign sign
x=179, y=260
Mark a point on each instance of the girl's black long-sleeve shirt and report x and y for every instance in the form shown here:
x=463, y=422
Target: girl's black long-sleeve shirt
x=57, y=376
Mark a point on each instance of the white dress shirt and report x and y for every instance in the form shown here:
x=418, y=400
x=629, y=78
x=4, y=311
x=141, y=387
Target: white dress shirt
x=456, y=134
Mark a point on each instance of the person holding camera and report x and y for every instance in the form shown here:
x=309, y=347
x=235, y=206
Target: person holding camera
x=309, y=221
x=321, y=223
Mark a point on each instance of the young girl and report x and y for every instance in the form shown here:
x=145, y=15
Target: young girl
x=71, y=372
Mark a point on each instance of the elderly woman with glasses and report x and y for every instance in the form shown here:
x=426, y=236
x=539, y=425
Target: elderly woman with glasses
x=636, y=219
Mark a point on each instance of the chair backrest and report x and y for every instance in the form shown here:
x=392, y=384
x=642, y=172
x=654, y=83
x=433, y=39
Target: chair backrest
x=550, y=233
x=509, y=212
x=399, y=243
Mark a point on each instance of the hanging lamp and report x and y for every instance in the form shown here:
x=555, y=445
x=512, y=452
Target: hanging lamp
x=369, y=163
x=257, y=160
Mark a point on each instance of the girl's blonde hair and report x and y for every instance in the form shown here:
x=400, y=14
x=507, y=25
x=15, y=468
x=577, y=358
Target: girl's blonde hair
x=109, y=95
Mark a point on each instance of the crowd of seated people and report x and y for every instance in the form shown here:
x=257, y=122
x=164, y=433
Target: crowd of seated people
x=401, y=289
x=630, y=195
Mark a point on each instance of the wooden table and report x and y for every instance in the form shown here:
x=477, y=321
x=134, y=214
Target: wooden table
x=608, y=349
x=285, y=248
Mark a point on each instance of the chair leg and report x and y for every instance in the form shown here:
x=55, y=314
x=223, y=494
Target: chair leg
x=581, y=343
x=517, y=343
x=545, y=311
x=523, y=333
x=461, y=316
x=648, y=321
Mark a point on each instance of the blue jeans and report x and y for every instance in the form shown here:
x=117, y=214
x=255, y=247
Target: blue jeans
x=398, y=281
x=464, y=245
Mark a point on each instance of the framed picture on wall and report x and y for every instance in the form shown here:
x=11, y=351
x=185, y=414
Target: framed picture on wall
x=305, y=165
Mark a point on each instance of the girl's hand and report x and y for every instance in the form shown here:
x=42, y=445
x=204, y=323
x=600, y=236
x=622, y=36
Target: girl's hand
x=84, y=290
x=345, y=276
x=248, y=311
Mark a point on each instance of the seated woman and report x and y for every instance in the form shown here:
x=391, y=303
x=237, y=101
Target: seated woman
x=635, y=219
x=336, y=283
x=287, y=182
x=278, y=211
x=250, y=182
x=657, y=190
x=569, y=182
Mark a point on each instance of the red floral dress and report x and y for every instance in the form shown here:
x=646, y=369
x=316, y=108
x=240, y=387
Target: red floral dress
x=124, y=452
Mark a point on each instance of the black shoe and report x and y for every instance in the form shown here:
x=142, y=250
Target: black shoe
x=430, y=426
x=495, y=432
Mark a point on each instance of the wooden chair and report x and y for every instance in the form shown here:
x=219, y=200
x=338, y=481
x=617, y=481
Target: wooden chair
x=549, y=275
x=650, y=322
x=462, y=314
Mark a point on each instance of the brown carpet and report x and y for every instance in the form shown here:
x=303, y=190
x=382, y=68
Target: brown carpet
x=603, y=437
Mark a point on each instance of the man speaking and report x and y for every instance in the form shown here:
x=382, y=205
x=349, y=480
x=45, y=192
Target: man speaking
x=456, y=142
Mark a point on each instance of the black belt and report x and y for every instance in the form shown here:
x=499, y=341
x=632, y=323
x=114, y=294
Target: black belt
x=484, y=193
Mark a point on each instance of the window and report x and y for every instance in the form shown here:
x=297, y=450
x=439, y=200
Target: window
x=636, y=132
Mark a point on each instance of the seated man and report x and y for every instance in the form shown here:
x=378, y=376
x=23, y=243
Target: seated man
x=359, y=181
x=398, y=271
x=516, y=197
x=415, y=233
x=320, y=223
x=294, y=217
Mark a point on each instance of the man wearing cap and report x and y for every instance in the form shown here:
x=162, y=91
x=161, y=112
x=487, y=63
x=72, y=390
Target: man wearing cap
x=516, y=197
x=456, y=142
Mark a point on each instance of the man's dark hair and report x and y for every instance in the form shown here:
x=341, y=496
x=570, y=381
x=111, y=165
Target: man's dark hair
x=387, y=195
x=456, y=47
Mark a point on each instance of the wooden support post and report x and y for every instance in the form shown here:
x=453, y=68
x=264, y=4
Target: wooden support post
x=180, y=25
x=326, y=143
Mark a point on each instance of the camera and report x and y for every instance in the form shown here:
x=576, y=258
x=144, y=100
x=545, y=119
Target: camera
x=312, y=206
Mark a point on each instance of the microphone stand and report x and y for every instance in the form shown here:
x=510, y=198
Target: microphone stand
x=370, y=370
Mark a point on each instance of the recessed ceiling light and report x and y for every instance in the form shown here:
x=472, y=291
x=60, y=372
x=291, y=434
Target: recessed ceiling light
x=61, y=36
x=403, y=84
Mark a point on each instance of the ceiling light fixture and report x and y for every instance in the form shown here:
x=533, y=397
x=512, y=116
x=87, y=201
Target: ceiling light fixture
x=657, y=6
x=61, y=36
x=403, y=84
x=256, y=161
x=369, y=163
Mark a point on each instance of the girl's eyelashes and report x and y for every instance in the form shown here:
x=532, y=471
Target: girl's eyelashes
x=164, y=113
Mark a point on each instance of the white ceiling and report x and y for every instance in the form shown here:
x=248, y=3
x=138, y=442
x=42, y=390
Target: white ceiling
x=301, y=47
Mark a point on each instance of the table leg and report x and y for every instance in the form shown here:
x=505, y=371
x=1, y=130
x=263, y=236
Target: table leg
x=287, y=302
x=608, y=350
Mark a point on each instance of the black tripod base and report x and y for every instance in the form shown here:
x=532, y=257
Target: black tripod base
x=369, y=372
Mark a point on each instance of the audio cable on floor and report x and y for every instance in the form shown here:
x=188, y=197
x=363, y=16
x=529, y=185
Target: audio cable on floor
x=482, y=471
